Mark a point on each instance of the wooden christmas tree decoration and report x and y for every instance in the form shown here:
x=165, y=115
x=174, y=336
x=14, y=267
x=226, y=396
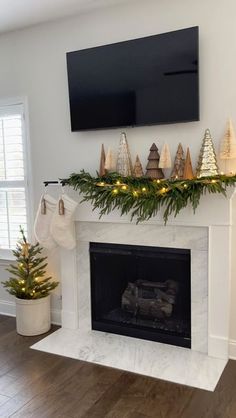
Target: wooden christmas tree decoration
x=152, y=170
x=110, y=165
x=102, y=170
x=228, y=146
x=188, y=169
x=165, y=157
x=138, y=169
x=207, y=163
x=178, y=169
x=124, y=164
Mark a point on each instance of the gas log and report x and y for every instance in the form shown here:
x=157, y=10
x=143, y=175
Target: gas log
x=150, y=299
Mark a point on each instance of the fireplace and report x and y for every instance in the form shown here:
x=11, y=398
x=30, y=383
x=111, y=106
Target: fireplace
x=142, y=292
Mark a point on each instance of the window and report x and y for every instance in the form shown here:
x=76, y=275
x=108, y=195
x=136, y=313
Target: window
x=13, y=180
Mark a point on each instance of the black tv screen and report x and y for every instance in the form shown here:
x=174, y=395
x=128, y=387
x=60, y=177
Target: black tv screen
x=146, y=81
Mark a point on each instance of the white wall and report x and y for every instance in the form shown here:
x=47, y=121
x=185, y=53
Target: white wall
x=33, y=64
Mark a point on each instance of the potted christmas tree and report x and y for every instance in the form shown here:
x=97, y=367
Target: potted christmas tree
x=31, y=288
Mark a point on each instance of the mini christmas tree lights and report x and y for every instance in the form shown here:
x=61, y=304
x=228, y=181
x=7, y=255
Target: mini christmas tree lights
x=28, y=275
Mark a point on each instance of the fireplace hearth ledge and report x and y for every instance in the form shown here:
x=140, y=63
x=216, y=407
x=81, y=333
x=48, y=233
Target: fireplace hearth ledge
x=161, y=361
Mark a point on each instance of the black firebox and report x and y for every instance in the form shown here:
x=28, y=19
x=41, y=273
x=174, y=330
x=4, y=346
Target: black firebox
x=142, y=292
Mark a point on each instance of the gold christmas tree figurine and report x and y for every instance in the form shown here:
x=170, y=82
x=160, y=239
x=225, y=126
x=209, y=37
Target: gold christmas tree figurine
x=207, y=163
x=228, y=145
x=228, y=148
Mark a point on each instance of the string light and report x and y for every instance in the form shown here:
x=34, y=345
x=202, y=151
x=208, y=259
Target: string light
x=115, y=191
x=135, y=193
x=144, y=189
x=163, y=190
x=158, y=181
x=185, y=186
x=213, y=181
x=124, y=187
x=23, y=289
x=118, y=183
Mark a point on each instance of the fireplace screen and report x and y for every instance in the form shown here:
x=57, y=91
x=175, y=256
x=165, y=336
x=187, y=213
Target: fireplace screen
x=141, y=292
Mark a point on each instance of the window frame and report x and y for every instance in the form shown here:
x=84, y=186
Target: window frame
x=6, y=254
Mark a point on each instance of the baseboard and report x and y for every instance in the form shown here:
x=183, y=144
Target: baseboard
x=56, y=316
x=232, y=349
x=218, y=347
x=8, y=308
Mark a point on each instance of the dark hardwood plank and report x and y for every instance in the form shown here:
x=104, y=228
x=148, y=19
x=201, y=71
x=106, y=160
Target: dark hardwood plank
x=34, y=384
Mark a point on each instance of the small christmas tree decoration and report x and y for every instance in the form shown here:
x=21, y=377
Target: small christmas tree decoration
x=228, y=146
x=165, y=157
x=110, y=165
x=207, y=163
x=124, y=164
x=188, y=169
x=138, y=169
x=28, y=275
x=152, y=170
x=102, y=170
x=179, y=162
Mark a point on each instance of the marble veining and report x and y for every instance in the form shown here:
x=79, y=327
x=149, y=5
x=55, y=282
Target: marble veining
x=148, y=358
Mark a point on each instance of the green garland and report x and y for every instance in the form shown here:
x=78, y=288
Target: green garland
x=144, y=197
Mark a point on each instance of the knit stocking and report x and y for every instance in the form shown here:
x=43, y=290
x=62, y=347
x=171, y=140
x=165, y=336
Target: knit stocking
x=43, y=220
x=62, y=226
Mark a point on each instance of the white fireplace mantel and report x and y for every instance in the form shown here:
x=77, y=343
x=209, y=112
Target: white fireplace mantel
x=215, y=213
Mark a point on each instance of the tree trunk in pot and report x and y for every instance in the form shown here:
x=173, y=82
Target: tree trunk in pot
x=33, y=316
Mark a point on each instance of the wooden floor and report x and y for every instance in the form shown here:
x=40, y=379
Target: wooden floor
x=38, y=385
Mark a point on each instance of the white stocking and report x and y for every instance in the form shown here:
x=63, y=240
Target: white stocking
x=43, y=221
x=63, y=226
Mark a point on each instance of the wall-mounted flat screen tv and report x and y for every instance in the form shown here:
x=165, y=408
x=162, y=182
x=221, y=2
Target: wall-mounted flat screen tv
x=146, y=81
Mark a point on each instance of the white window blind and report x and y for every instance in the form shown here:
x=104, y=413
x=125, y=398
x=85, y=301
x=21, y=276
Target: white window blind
x=13, y=181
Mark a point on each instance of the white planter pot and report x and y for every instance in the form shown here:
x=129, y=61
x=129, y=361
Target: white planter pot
x=33, y=316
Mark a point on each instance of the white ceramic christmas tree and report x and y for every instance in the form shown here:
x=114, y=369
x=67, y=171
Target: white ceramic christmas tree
x=124, y=164
x=165, y=157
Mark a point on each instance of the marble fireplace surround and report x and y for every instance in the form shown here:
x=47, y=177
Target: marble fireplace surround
x=210, y=235
x=193, y=238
